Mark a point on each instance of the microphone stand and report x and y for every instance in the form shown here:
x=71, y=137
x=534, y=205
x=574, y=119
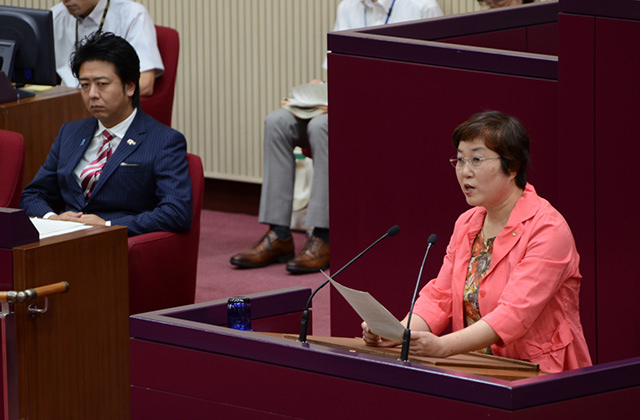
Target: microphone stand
x=304, y=324
x=406, y=337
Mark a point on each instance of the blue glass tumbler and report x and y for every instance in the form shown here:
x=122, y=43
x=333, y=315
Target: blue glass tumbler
x=239, y=313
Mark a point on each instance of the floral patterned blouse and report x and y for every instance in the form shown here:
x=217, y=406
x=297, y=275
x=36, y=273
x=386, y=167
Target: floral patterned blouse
x=478, y=266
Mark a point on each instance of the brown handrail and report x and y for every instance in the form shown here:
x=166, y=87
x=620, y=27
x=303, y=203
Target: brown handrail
x=13, y=296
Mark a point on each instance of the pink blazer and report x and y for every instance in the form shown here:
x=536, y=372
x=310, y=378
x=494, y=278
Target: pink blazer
x=530, y=295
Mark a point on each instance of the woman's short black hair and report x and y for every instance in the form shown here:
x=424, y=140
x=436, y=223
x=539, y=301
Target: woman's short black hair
x=502, y=134
x=106, y=46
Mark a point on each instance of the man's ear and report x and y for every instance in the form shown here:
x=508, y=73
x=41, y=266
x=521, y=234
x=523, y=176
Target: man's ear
x=130, y=89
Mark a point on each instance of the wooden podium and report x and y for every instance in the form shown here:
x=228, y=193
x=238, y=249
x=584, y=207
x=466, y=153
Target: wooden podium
x=38, y=119
x=186, y=364
x=73, y=359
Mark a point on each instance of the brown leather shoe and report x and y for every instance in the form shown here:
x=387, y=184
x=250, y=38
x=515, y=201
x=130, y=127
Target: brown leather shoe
x=313, y=257
x=268, y=250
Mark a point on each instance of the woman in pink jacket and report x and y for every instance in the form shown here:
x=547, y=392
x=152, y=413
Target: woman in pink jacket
x=510, y=280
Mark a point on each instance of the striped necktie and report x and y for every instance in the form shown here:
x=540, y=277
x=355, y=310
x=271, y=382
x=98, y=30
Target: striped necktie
x=90, y=174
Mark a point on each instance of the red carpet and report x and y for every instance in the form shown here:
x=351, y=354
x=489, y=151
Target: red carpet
x=224, y=234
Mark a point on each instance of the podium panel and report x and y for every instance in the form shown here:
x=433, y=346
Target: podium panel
x=617, y=90
x=390, y=144
x=597, y=107
x=185, y=366
x=73, y=359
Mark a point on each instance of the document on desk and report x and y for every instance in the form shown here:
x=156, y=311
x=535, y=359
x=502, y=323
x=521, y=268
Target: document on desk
x=377, y=317
x=47, y=227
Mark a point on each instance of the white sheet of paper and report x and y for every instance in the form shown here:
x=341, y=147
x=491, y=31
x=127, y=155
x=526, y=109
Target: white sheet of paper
x=379, y=319
x=47, y=227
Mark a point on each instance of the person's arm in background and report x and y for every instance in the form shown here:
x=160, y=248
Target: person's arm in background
x=147, y=82
x=141, y=34
x=431, y=10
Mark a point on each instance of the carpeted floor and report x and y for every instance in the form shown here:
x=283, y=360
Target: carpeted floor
x=224, y=234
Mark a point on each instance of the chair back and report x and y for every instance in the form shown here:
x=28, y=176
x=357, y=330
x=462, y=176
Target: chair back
x=196, y=173
x=11, y=168
x=160, y=104
x=188, y=254
x=163, y=266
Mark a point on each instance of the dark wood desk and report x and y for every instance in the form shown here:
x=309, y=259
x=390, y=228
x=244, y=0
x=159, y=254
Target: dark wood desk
x=39, y=119
x=73, y=360
x=474, y=363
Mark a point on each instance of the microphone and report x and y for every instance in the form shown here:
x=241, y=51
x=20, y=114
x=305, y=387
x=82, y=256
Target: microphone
x=406, y=337
x=304, y=325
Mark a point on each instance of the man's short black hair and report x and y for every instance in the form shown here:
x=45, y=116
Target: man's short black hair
x=106, y=46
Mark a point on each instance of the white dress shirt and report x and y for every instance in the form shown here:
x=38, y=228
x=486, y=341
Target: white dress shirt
x=118, y=131
x=354, y=14
x=124, y=18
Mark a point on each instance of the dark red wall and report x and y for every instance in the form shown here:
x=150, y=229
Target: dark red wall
x=390, y=130
x=539, y=39
x=598, y=106
x=617, y=110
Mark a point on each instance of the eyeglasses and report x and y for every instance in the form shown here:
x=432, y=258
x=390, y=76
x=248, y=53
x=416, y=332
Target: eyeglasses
x=475, y=161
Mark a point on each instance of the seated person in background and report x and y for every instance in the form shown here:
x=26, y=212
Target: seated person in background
x=284, y=131
x=504, y=3
x=510, y=280
x=75, y=19
x=120, y=166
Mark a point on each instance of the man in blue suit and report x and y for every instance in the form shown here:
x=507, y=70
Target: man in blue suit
x=120, y=166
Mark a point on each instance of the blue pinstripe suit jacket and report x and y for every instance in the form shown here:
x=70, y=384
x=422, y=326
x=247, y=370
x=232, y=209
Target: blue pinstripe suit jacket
x=144, y=185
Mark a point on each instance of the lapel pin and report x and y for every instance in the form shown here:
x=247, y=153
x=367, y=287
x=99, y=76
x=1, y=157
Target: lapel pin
x=82, y=143
x=131, y=142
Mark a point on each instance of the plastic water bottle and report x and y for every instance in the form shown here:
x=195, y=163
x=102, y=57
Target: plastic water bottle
x=239, y=313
